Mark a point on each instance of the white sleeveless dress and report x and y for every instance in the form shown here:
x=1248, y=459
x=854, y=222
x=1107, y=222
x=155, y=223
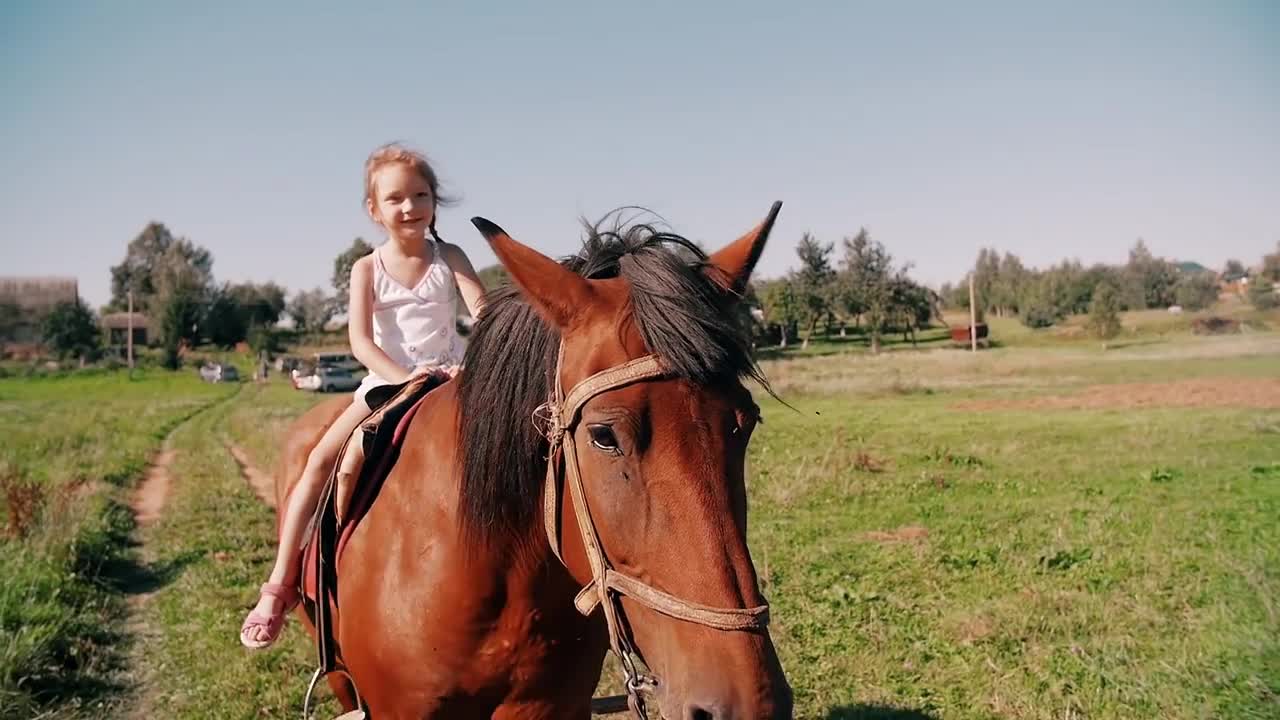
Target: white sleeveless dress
x=416, y=327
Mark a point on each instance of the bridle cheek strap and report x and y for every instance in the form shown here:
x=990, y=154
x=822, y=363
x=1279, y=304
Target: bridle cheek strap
x=561, y=414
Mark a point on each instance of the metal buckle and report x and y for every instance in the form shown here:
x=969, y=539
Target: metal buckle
x=642, y=684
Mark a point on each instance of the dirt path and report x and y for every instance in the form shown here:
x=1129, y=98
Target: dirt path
x=152, y=493
x=261, y=483
x=147, y=502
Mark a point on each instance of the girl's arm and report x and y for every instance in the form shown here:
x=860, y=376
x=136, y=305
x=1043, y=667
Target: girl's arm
x=469, y=284
x=360, y=325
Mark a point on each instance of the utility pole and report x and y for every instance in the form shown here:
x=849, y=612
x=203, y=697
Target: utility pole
x=129, y=338
x=973, y=318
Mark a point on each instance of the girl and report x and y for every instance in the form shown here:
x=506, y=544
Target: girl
x=401, y=323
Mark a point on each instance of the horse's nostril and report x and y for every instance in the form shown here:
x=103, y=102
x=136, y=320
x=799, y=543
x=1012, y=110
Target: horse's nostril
x=694, y=712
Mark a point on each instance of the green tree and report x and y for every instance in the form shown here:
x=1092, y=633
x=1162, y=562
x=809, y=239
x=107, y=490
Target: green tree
x=1271, y=265
x=1009, y=284
x=261, y=304
x=1262, y=294
x=10, y=319
x=180, y=317
x=70, y=330
x=311, y=309
x=1149, y=280
x=813, y=282
x=780, y=305
x=225, y=321
x=986, y=278
x=1234, y=269
x=1090, y=280
x=1071, y=288
x=263, y=338
x=342, y=272
x=950, y=296
x=912, y=305
x=135, y=272
x=1196, y=291
x=867, y=268
x=156, y=263
x=1041, y=300
x=849, y=300
x=1104, y=313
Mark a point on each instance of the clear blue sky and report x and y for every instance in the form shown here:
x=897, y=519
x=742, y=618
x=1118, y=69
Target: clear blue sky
x=1064, y=130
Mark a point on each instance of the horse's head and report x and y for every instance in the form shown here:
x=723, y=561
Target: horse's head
x=661, y=459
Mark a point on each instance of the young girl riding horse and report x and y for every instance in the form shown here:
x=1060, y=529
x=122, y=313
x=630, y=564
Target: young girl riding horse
x=401, y=324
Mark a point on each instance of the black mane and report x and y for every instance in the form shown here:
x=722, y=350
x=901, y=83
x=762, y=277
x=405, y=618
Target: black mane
x=685, y=318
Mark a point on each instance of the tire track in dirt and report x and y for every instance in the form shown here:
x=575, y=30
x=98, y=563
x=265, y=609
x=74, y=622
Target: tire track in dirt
x=261, y=483
x=146, y=575
x=147, y=503
x=152, y=493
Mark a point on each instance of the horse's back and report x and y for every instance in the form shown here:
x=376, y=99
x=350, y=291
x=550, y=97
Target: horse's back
x=410, y=601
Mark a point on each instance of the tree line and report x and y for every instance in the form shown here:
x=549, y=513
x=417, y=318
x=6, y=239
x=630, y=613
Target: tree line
x=862, y=288
x=172, y=284
x=1005, y=287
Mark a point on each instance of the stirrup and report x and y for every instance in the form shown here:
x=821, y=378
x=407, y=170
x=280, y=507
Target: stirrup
x=357, y=714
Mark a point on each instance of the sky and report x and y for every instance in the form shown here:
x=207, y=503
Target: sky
x=1049, y=130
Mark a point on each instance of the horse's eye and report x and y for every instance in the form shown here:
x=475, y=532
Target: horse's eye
x=603, y=438
x=748, y=419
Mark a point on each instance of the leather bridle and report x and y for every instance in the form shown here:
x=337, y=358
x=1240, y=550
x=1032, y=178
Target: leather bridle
x=559, y=416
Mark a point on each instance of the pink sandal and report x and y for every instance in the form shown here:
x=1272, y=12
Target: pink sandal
x=273, y=623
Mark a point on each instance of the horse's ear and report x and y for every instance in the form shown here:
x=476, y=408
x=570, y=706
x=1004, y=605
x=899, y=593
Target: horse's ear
x=557, y=293
x=732, y=264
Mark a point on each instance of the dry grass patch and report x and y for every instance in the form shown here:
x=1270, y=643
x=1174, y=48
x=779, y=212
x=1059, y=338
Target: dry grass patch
x=1225, y=392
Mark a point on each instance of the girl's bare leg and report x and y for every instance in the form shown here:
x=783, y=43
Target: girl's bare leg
x=299, y=508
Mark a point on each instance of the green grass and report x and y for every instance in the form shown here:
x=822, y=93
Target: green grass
x=923, y=561
x=1076, y=564
x=73, y=447
x=826, y=342
x=221, y=537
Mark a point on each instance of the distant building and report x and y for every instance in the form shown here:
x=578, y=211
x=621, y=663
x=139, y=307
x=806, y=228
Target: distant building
x=26, y=301
x=116, y=326
x=1233, y=283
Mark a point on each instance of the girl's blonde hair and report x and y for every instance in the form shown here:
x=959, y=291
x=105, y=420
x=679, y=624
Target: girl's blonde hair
x=396, y=153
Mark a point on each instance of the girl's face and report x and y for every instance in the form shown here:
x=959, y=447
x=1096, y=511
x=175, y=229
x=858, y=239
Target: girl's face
x=402, y=202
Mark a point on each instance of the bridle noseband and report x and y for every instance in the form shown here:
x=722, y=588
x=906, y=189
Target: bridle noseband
x=560, y=415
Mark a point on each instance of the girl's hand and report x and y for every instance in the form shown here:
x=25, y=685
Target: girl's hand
x=443, y=373
x=446, y=373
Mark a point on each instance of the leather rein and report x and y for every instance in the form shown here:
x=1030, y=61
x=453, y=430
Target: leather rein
x=560, y=416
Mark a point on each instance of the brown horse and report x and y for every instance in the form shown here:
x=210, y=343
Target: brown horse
x=453, y=602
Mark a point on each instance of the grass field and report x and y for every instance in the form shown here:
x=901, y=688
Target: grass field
x=1101, y=563
x=72, y=447
x=1043, y=530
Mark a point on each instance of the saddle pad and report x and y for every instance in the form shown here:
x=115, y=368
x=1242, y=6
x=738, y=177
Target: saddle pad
x=383, y=436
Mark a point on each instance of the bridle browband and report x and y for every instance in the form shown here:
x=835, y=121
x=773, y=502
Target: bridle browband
x=560, y=415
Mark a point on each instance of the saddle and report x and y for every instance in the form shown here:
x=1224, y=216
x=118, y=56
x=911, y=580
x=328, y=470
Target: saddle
x=352, y=486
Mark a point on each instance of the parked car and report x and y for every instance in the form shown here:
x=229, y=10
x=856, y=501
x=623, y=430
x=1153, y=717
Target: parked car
x=342, y=360
x=219, y=372
x=327, y=378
